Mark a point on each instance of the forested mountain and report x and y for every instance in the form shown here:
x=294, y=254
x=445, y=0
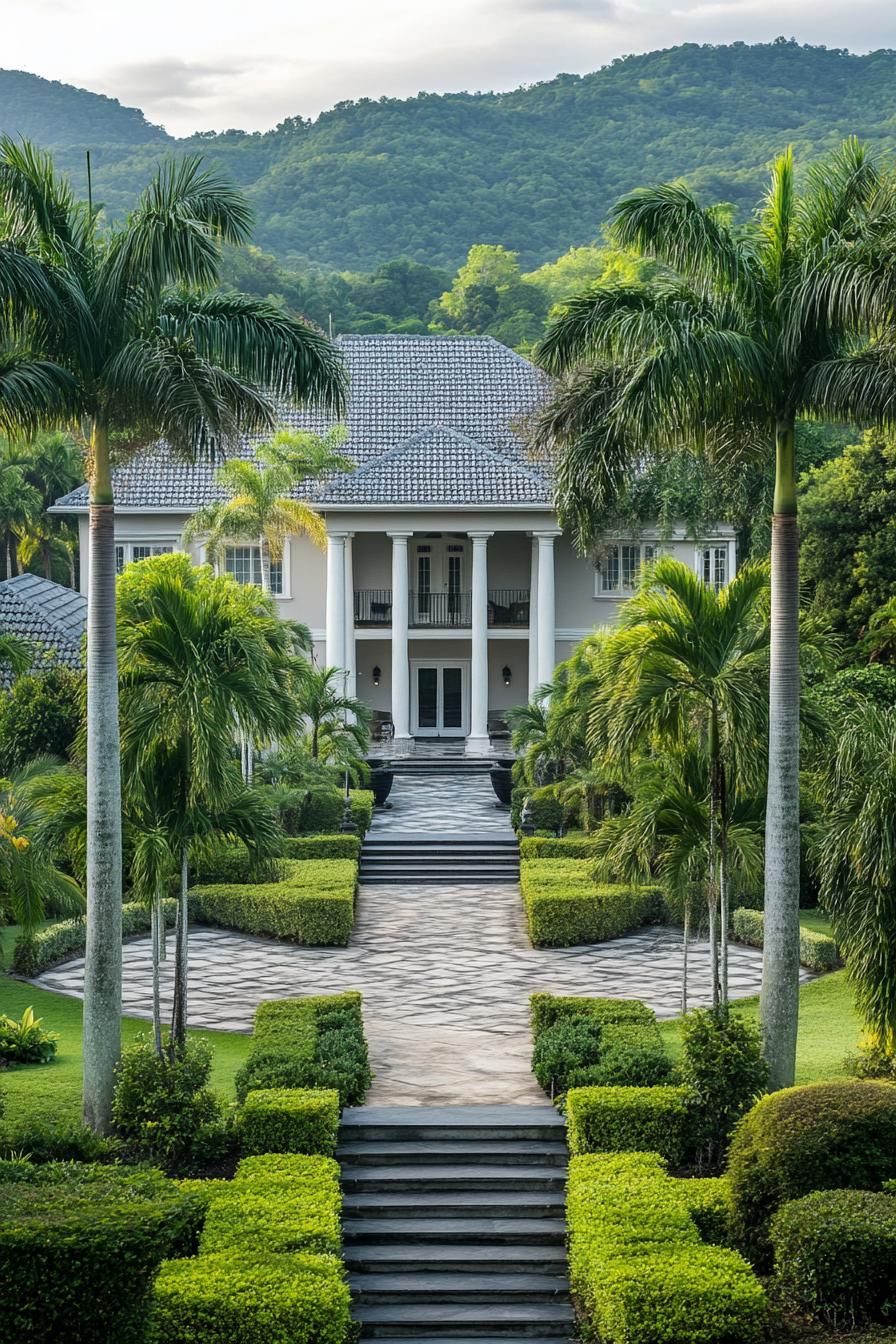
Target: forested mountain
x=535, y=169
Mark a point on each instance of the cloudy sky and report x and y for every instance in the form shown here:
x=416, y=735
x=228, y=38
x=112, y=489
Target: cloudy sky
x=213, y=64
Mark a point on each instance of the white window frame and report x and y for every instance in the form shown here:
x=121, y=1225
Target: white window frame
x=255, y=562
x=617, y=560
x=125, y=547
x=712, y=562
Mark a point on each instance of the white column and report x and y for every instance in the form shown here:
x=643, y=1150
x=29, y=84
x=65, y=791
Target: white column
x=546, y=632
x=533, y=619
x=401, y=694
x=350, y=661
x=336, y=599
x=477, y=741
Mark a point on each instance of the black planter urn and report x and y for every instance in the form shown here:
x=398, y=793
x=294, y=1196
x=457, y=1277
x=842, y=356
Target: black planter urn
x=501, y=777
x=381, y=785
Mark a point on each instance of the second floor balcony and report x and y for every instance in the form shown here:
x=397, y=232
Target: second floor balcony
x=507, y=607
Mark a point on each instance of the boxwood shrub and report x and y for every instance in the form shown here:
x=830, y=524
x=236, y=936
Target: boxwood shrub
x=708, y=1201
x=81, y=1243
x=638, y=1268
x=565, y=906
x=557, y=847
x=817, y=950
x=598, y=1042
x=231, y=861
x=323, y=810
x=290, y=1120
x=628, y=1119
x=322, y=847
x=292, y=1203
x=309, y=1042
x=312, y=903
x=822, y=1136
x=299, y=1298
x=835, y=1254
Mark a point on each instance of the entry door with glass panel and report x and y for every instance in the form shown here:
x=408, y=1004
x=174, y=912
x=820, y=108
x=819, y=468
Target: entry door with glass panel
x=438, y=596
x=439, y=699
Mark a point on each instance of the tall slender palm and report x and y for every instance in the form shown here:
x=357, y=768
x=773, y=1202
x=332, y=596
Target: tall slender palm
x=199, y=656
x=55, y=465
x=260, y=508
x=20, y=509
x=686, y=665
x=121, y=333
x=738, y=332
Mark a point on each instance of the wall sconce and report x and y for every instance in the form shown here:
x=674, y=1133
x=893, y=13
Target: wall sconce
x=377, y=673
x=505, y=673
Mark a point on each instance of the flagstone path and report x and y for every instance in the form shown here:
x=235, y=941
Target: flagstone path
x=445, y=971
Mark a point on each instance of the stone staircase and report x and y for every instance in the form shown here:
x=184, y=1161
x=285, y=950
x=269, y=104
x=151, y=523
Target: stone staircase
x=454, y=1223
x=396, y=858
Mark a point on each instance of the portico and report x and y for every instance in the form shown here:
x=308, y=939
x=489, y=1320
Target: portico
x=453, y=633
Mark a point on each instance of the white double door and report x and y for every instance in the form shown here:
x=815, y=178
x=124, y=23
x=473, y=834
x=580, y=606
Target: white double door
x=440, y=698
x=440, y=583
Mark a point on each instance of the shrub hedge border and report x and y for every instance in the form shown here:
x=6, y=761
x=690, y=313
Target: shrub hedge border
x=818, y=951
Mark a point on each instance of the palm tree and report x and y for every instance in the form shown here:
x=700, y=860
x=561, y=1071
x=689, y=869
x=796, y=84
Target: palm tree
x=663, y=834
x=200, y=656
x=739, y=331
x=20, y=508
x=856, y=861
x=54, y=466
x=337, y=724
x=260, y=508
x=121, y=333
x=685, y=665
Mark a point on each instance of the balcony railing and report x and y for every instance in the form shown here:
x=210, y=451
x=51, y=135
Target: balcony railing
x=507, y=607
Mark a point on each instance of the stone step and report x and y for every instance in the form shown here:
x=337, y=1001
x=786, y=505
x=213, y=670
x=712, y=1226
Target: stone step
x=459, y=1202
x=461, y=1176
x=483, y=1121
x=458, y=1289
x=485, y=1257
x=492, y=1231
x=441, y=840
x=440, y=1152
x=505, y=1320
x=464, y=1339
x=415, y=863
x=438, y=877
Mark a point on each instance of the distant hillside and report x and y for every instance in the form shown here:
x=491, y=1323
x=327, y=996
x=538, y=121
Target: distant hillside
x=54, y=114
x=536, y=169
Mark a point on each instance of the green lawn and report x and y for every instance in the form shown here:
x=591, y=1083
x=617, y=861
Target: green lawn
x=829, y=1027
x=51, y=1092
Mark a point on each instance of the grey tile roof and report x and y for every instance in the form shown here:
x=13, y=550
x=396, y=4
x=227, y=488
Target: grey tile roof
x=49, y=617
x=398, y=387
x=439, y=466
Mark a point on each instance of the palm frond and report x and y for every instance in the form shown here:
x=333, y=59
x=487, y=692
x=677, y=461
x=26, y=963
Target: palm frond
x=668, y=223
x=261, y=343
x=856, y=387
x=33, y=393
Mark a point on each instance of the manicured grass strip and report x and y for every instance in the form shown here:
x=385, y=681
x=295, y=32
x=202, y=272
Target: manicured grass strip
x=829, y=1028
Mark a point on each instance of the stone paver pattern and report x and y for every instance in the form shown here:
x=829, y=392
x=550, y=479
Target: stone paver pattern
x=448, y=804
x=446, y=971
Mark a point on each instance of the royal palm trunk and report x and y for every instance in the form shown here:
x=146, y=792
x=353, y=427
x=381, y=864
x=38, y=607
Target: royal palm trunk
x=102, y=964
x=779, y=1003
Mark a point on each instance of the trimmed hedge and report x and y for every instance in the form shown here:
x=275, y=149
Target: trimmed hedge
x=708, y=1201
x=268, y=1271
x=290, y=1120
x=628, y=1119
x=565, y=906
x=822, y=1136
x=313, y=903
x=260, y=1299
x=557, y=847
x=322, y=847
x=835, y=1254
x=36, y=952
x=546, y=1009
x=286, y=1204
x=638, y=1267
x=231, y=861
x=73, y=1236
x=817, y=950
x=315, y=1042
x=323, y=809
x=596, y=1042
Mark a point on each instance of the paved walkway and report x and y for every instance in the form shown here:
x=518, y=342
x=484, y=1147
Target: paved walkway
x=445, y=971
x=459, y=804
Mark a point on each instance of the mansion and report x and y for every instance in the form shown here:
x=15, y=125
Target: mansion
x=447, y=591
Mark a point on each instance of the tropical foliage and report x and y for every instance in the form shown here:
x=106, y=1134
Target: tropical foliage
x=739, y=331
x=119, y=330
